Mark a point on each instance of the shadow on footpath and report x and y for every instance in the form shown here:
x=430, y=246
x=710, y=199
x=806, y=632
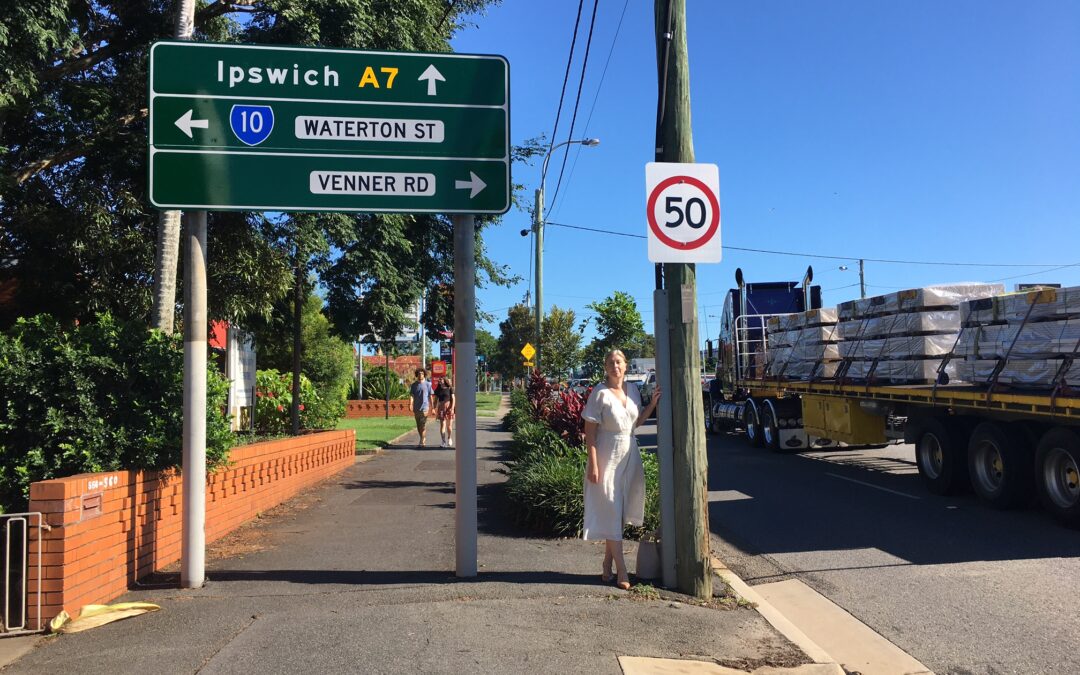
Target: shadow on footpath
x=386, y=578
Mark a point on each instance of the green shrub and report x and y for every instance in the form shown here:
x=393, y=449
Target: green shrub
x=376, y=381
x=273, y=412
x=546, y=492
x=519, y=412
x=103, y=396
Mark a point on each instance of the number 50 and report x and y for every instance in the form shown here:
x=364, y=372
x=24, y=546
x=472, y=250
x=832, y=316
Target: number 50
x=693, y=213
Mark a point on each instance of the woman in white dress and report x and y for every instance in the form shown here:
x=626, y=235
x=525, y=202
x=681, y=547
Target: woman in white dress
x=614, y=477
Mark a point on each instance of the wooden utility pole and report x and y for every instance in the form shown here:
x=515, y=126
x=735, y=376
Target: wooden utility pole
x=674, y=143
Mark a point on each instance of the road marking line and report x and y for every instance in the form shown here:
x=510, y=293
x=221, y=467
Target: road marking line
x=871, y=485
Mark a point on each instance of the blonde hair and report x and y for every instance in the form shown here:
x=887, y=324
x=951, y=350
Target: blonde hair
x=615, y=352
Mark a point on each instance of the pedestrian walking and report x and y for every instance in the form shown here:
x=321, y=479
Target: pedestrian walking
x=445, y=404
x=614, y=475
x=420, y=395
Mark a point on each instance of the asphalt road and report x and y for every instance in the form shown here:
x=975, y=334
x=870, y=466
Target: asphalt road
x=959, y=586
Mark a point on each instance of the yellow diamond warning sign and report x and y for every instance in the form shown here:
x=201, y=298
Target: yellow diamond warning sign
x=528, y=351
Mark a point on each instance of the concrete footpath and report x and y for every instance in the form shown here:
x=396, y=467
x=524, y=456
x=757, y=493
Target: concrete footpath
x=357, y=575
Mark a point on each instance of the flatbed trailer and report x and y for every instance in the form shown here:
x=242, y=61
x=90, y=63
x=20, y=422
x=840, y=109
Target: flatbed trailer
x=1007, y=445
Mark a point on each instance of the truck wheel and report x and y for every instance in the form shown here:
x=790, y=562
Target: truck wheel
x=770, y=432
x=999, y=465
x=710, y=421
x=941, y=459
x=752, y=422
x=1058, y=474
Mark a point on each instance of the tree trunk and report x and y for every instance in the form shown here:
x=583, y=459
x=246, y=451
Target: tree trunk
x=165, y=262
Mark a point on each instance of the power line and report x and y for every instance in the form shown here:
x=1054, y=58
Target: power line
x=577, y=101
x=566, y=79
x=1056, y=266
x=1031, y=274
x=596, y=96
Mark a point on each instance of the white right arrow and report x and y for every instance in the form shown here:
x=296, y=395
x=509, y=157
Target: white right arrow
x=474, y=183
x=186, y=124
x=432, y=75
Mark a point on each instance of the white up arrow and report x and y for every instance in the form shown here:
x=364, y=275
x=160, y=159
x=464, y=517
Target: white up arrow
x=474, y=183
x=432, y=75
x=186, y=124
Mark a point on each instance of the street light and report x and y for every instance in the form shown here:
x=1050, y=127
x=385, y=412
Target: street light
x=538, y=227
x=862, y=277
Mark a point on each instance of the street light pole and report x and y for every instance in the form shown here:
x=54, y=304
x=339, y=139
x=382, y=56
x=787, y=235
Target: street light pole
x=538, y=228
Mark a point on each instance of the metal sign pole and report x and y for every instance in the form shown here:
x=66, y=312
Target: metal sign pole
x=664, y=445
x=465, y=390
x=193, y=545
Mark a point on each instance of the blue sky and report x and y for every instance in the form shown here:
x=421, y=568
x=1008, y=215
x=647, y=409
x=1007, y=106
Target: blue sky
x=921, y=130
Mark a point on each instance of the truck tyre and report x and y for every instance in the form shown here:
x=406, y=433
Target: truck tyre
x=752, y=422
x=1057, y=466
x=710, y=422
x=770, y=431
x=999, y=465
x=942, y=460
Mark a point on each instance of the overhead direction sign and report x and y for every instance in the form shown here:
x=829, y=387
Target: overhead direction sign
x=273, y=128
x=683, y=212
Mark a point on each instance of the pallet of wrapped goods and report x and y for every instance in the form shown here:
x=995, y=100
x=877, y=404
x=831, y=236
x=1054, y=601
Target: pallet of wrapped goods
x=824, y=316
x=1048, y=304
x=904, y=323
x=804, y=336
x=1029, y=341
x=1029, y=373
x=795, y=362
x=916, y=299
x=911, y=371
x=898, y=347
x=804, y=370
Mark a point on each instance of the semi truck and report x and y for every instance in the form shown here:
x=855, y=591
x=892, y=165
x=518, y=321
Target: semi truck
x=1006, y=445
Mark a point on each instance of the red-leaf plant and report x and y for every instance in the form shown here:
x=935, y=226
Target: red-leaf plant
x=540, y=393
x=564, y=417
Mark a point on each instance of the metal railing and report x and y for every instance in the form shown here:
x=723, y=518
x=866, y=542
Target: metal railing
x=17, y=556
x=752, y=345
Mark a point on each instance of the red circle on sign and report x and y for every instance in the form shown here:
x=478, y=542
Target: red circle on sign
x=674, y=243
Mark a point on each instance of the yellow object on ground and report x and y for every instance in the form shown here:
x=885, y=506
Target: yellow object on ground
x=93, y=616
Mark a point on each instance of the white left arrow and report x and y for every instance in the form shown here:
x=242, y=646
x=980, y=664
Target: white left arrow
x=474, y=183
x=186, y=124
x=432, y=75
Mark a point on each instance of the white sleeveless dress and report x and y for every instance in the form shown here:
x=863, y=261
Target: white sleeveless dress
x=619, y=497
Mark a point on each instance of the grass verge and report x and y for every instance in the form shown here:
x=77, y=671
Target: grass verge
x=375, y=432
x=487, y=404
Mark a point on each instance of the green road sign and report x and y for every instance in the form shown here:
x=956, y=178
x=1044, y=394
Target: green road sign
x=270, y=128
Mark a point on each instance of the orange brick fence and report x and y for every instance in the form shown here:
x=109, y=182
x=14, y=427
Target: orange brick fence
x=109, y=529
x=372, y=408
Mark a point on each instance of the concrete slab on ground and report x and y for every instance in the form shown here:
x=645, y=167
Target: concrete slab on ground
x=357, y=575
x=849, y=641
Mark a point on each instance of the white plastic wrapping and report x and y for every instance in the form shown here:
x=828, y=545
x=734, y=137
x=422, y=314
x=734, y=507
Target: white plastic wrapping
x=814, y=317
x=1035, y=373
x=905, y=323
x=901, y=347
x=789, y=361
x=917, y=370
x=1033, y=340
x=1044, y=305
x=916, y=299
x=804, y=336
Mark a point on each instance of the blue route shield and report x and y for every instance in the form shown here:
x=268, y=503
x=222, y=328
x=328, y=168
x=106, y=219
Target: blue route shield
x=252, y=124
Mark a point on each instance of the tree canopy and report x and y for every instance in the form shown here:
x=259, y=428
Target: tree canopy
x=618, y=326
x=514, y=331
x=561, y=342
x=76, y=231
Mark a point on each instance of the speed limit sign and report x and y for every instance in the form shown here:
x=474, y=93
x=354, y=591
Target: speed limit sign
x=683, y=210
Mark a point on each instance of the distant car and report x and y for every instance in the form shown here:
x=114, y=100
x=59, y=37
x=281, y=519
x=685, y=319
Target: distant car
x=648, y=387
x=579, y=386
